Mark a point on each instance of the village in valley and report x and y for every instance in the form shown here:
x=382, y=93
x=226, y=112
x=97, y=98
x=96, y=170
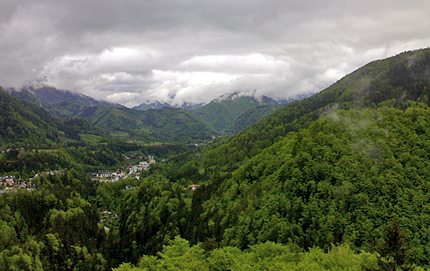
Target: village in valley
x=12, y=183
x=132, y=171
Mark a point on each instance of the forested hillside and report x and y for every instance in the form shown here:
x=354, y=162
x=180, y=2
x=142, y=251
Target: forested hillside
x=26, y=125
x=60, y=103
x=249, y=117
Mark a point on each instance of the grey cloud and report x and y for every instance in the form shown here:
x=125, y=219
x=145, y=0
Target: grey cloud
x=279, y=48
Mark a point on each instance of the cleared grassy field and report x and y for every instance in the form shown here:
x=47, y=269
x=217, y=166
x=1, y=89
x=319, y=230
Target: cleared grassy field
x=91, y=138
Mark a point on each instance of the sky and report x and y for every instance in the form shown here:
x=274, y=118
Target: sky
x=135, y=51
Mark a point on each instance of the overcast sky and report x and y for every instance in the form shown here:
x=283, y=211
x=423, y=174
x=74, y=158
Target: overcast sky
x=132, y=51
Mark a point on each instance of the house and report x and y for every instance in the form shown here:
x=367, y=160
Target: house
x=194, y=186
x=143, y=165
x=19, y=181
x=94, y=177
x=104, y=174
x=151, y=159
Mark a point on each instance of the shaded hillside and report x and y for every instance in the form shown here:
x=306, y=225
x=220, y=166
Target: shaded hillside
x=343, y=179
x=177, y=124
x=251, y=116
x=401, y=78
x=153, y=105
x=111, y=118
x=30, y=126
x=157, y=105
x=60, y=103
x=25, y=124
x=222, y=112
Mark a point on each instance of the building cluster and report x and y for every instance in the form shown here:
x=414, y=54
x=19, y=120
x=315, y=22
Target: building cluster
x=107, y=177
x=10, y=183
x=133, y=171
x=50, y=172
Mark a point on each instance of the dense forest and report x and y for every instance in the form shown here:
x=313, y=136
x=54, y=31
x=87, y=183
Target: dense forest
x=338, y=181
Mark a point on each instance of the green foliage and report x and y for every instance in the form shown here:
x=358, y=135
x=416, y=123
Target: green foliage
x=83, y=159
x=150, y=215
x=29, y=126
x=392, y=250
x=340, y=180
x=52, y=228
x=25, y=124
x=249, y=117
x=178, y=255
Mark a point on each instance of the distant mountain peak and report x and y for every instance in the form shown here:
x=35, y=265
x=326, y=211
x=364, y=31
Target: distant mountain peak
x=51, y=95
x=236, y=95
x=151, y=105
x=157, y=105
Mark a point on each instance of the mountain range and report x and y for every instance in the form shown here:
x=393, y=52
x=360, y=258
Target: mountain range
x=28, y=125
x=157, y=105
x=231, y=112
x=223, y=115
x=60, y=103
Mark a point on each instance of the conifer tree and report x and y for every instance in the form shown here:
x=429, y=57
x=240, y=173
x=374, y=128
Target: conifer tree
x=393, y=252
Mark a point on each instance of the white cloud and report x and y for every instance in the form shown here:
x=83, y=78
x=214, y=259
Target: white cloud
x=131, y=51
x=124, y=98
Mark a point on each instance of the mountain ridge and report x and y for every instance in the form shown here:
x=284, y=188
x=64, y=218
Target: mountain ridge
x=60, y=103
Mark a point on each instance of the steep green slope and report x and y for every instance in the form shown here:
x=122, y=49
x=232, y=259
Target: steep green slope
x=154, y=105
x=29, y=126
x=249, y=117
x=402, y=77
x=24, y=124
x=345, y=179
x=222, y=112
x=60, y=103
x=342, y=179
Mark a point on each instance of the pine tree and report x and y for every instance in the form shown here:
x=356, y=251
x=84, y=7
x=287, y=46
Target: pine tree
x=393, y=252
